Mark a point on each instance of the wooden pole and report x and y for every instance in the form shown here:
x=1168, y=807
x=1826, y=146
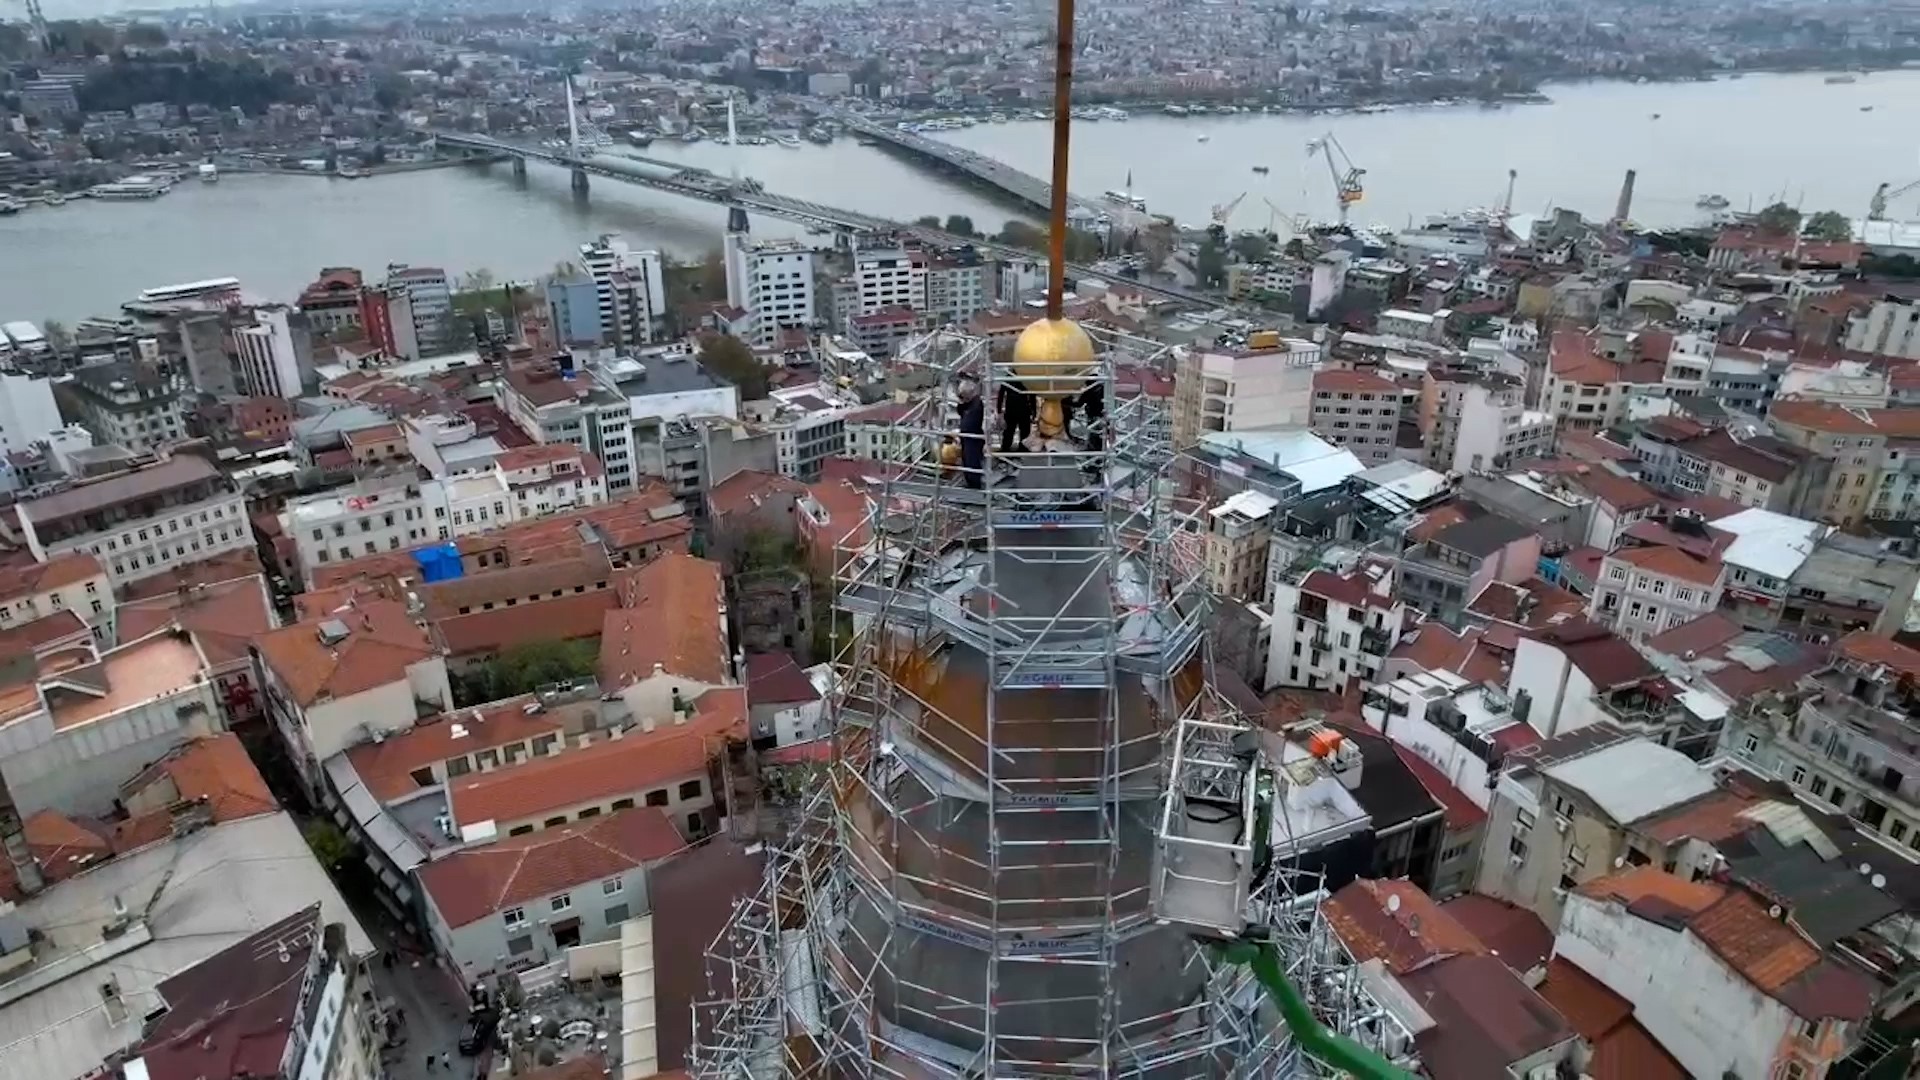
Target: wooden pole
x=1062, y=124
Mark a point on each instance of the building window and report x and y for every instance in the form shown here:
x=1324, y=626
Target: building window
x=514, y=917
x=623, y=804
x=520, y=830
x=553, y=821
x=562, y=903
x=657, y=798
x=520, y=945
x=690, y=789
x=1749, y=744
x=611, y=886
x=616, y=914
x=1799, y=776
x=1819, y=785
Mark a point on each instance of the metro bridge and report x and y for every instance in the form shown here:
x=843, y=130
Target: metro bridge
x=678, y=178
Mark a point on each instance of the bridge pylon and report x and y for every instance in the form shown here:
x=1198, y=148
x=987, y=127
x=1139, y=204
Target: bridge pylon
x=579, y=181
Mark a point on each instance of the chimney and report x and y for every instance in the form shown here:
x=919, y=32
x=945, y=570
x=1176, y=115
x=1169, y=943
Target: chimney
x=647, y=723
x=1624, y=208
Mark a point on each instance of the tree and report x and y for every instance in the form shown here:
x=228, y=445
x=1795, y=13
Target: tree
x=525, y=668
x=1156, y=246
x=1252, y=247
x=1211, y=263
x=477, y=280
x=927, y=221
x=1828, y=225
x=729, y=358
x=1022, y=234
x=328, y=843
x=1778, y=218
x=960, y=225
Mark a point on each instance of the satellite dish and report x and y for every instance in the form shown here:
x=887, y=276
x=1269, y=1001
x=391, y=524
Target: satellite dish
x=1878, y=881
x=1619, y=861
x=1773, y=912
x=1865, y=869
x=1393, y=902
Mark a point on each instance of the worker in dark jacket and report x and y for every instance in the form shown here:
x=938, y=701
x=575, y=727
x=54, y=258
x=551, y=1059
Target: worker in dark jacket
x=1093, y=406
x=973, y=434
x=1015, y=407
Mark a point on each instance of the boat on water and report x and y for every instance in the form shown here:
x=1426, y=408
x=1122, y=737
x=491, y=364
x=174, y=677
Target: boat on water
x=1840, y=80
x=55, y=199
x=788, y=141
x=133, y=187
x=1866, y=108
x=1262, y=169
x=10, y=205
x=209, y=173
x=1712, y=202
x=640, y=138
x=1202, y=137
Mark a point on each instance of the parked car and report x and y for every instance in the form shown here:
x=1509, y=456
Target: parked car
x=477, y=1033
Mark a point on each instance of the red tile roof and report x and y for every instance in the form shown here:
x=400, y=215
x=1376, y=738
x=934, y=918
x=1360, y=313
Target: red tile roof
x=672, y=618
x=1622, y=1048
x=1405, y=935
x=474, y=883
x=1864, y=647
x=572, y=617
x=58, y=572
x=603, y=769
x=1353, y=382
x=1901, y=422
x=1461, y=813
x=1602, y=656
x=232, y=1013
x=224, y=618
x=1672, y=563
x=749, y=489
x=387, y=767
x=1485, y=1019
x=381, y=643
x=1514, y=934
x=777, y=679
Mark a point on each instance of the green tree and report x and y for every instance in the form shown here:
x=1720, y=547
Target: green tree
x=477, y=280
x=145, y=35
x=1083, y=246
x=1211, y=263
x=960, y=225
x=1252, y=247
x=392, y=91
x=524, y=668
x=1021, y=234
x=1828, y=225
x=328, y=843
x=1779, y=218
x=729, y=358
x=927, y=221
x=1156, y=246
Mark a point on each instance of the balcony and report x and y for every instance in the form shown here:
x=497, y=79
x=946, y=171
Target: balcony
x=1373, y=641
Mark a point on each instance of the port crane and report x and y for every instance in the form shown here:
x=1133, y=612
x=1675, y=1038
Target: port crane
x=1294, y=222
x=1884, y=194
x=38, y=21
x=1222, y=213
x=1347, y=188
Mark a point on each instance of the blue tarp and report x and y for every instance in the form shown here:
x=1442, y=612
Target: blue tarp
x=439, y=563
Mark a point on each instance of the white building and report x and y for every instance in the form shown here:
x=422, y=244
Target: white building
x=809, y=425
x=1496, y=429
x=144, y=521
x=1358, y=410
x=429, y=306
x=888, y=277
x=354, y=522
x=1891, y=327
x=268, y=365
x=28, y=413
x=1267, y=384
x=1644, y=591
x=1334, y=626
x=771, y=280
x=632, y=294
x=542, y=480
x=75, y=581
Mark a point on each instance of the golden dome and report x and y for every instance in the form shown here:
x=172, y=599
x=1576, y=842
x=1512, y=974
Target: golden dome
x=1052, y=356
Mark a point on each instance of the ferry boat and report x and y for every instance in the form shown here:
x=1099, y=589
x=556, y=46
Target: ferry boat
x=787, y=141
x=1839, y=80
x=1712, y=202
x=209, y=173
x=1202, y=137
x=133, y=187
x=1262, y=169
x=640, y=139
x=1124, y=198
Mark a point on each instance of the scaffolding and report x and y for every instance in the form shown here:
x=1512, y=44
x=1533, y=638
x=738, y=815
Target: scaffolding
x=1020, y=725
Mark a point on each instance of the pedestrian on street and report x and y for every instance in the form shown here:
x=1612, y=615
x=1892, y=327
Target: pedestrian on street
x=386, y=959
x=430, y=1061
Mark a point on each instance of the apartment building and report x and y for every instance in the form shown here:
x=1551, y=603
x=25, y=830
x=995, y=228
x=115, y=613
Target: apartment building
x=657, y=386
x=1239, y=534
x=1441, y=574
x=1566, y=809
x=1334, y=625
x=266, y=355
x=1891, y=327
x=959, y=286
x=1843, y=739
x=1358, y=410
x=1495, y=429
x=332, y=301
x=555, y=402
x=1855, y=455
x=381, y=515
x=1587, y=391
x=771, y=280
x=142, y=522
x=1267, y=384
x=808, y=424
x=75, y=581
x=550, y=479
x=629, y=289
x=888, y=277
x=428, y=307
x=1643, y=591
x=131, y=403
